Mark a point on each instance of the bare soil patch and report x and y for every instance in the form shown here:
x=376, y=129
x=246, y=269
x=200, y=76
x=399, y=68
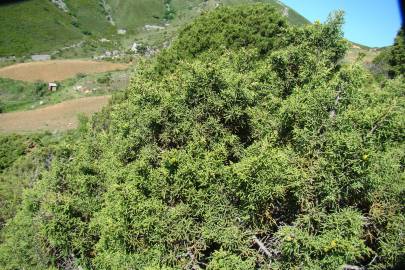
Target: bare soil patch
x=56, y=117
x=56, y=70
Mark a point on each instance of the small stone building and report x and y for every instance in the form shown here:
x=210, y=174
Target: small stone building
x=52, y=86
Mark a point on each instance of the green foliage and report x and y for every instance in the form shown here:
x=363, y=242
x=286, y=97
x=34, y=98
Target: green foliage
x=12, y=147
x=169, y=12
x=215, y=146
x=21, y=160
x=105, y=79
x=390, y=62
x=226, y=260
x=322, y=241
x=397, y=55
x=256, y=26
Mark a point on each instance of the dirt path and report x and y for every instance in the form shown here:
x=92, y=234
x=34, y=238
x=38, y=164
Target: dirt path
x=56, y=70
x=61, y=116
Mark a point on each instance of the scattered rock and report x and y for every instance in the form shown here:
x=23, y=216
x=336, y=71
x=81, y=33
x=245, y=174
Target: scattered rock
x=78, y=88
x=166, y=44
x=121, y=31
x=61, y=5
x=134, y=47
x=40, y=57
x=7, y=58
x=149, y=27
x=285, y=12
x=107, y=10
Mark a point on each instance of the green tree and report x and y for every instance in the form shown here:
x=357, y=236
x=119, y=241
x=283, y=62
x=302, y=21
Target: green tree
x=396, y=59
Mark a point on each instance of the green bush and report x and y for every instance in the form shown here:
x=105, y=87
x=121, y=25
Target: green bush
x=260, y=155
x=11, y=148
x=40, y=88
x=105, y=79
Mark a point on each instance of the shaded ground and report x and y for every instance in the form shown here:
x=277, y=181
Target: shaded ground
x=56, y=70
x=60, y=116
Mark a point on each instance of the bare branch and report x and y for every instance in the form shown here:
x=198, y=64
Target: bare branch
x=262, y=246
x=381, y=119
x=332, y=113
x=352, y=267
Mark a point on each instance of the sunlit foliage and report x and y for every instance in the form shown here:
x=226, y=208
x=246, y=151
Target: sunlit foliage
x=219, y=144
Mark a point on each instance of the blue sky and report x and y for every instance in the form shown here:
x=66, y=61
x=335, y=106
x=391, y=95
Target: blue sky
x=374, y=23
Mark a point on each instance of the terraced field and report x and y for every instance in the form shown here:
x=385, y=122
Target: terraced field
x=62, y=116
x=56, y=70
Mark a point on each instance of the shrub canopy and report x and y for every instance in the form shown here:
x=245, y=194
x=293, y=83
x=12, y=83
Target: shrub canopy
x=246, y=129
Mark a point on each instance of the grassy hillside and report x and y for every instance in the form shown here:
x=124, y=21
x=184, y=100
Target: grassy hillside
x=34, y=26
x=132, y=15
x=38, y=26
x=88, y=15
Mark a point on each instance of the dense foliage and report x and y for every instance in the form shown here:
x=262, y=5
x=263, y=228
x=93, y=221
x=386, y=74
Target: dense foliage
x=396, y=59
x=391, y=60
x=22, y=160
x=221, y=145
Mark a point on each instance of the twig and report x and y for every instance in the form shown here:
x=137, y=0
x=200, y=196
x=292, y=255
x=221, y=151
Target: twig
x=332, y=113
x=372, y=261
x=262, y=246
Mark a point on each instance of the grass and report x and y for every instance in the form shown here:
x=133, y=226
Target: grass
x=133, y=15
x=36, y=26
x=89, y=17
x=19, y=96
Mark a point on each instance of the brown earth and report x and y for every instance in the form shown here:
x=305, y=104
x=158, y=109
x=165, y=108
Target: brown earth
x=57, y=117
x=56, y=70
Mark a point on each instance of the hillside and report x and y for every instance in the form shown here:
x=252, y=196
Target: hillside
x=247, y=144
x=34, y=26
x=39, y=26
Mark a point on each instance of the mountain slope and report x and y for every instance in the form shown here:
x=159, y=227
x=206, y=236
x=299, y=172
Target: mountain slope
x=39, y=26
x=133, y=15
x=34, y=26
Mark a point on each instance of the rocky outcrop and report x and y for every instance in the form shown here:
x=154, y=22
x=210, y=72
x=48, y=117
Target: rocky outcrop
x=61, y=5
x=107, y=11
